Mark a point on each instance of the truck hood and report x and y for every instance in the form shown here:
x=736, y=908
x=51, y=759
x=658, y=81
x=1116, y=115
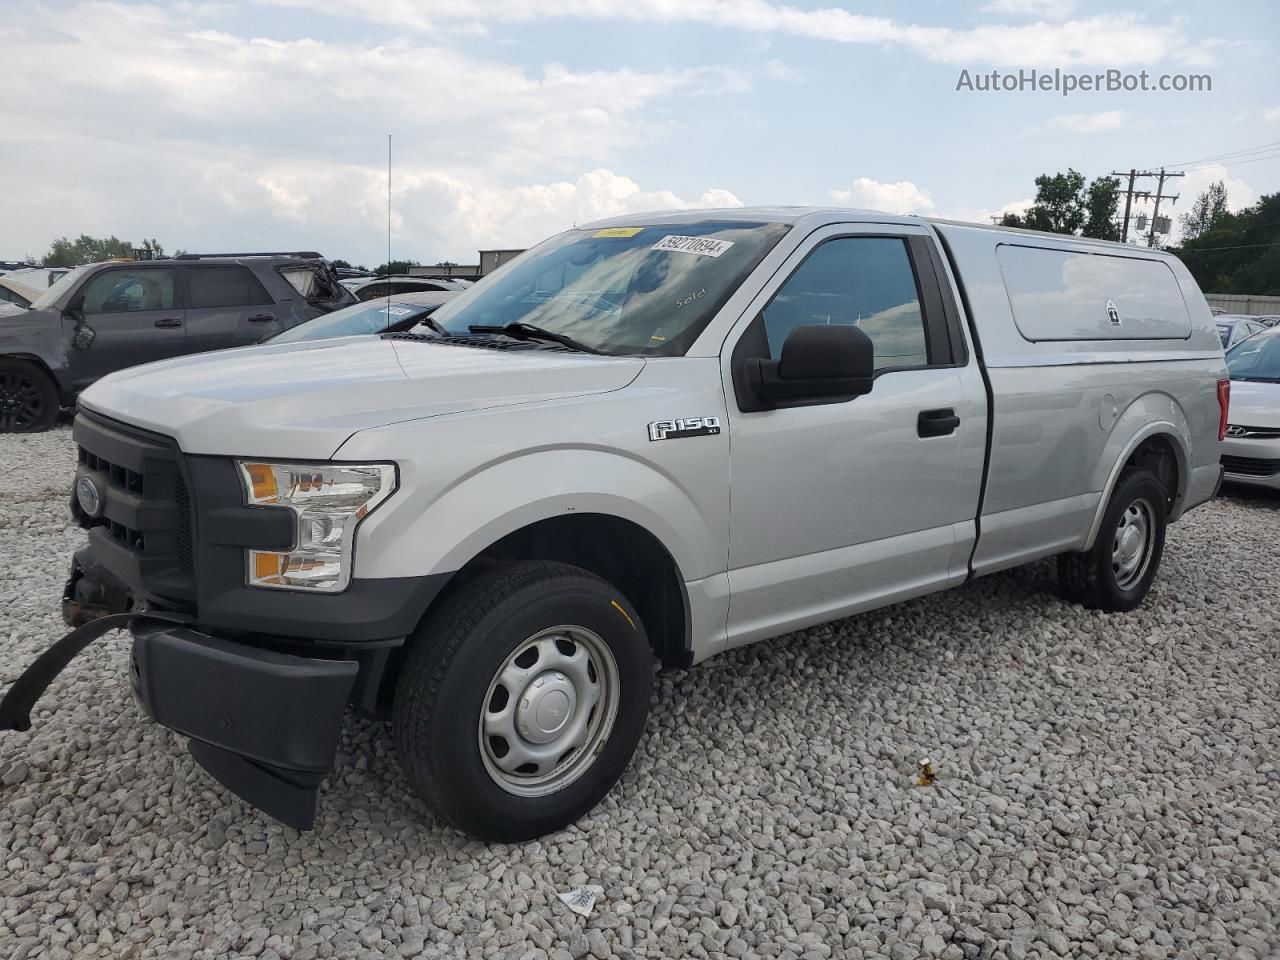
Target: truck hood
x=303, y=400
x=1254, y=404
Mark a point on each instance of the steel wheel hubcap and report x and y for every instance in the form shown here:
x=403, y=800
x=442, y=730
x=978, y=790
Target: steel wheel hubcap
x=549, y=711
x=1131, y=546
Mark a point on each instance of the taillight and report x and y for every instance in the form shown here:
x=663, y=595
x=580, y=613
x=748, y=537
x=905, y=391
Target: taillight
x=1224, y=404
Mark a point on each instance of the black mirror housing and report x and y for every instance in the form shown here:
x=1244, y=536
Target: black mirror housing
x=820, y=362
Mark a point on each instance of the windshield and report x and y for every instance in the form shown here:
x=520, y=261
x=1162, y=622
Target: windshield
x=620, y=290
x=1257, y=358
x=63, y=284
x=352, y=321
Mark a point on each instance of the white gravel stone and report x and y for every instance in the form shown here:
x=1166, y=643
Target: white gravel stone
x=1106, y=785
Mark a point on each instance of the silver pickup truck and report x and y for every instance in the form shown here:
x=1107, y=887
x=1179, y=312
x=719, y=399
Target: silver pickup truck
x=661, y=436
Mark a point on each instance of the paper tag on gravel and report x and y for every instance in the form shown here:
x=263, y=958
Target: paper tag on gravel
x=581, y=900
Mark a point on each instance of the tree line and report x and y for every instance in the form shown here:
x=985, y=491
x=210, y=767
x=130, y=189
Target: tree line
x=1226, y=252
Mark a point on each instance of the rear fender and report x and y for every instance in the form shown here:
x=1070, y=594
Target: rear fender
x=1152, y=414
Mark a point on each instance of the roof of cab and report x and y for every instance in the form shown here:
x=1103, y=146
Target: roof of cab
x=791, y=215
x=819, y=216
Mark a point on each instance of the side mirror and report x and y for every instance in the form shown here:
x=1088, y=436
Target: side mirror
x=819, y=362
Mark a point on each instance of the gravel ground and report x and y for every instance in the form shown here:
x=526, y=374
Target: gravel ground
x=1104, y=785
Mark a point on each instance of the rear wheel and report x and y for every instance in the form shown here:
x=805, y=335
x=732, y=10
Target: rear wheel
x=28, y=397
x=1116, y=573
x=522, y=700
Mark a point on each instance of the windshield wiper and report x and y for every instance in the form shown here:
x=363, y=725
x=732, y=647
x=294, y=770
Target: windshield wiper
x=527, y=331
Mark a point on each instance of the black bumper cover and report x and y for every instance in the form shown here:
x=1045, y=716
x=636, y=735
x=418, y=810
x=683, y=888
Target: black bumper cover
x=264, y=724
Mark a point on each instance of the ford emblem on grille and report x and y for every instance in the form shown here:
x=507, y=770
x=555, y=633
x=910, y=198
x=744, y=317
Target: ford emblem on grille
x=88, y=497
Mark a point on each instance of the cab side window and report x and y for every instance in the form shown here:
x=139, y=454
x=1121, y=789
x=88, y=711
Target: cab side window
x=866, y=281
x=224, y=287
x=126, y=291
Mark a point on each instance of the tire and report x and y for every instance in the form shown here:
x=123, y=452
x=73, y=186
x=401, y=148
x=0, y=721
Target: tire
x=1117, y=572
x=28, y=397
x=466, y=696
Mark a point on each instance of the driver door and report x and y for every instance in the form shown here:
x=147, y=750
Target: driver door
x=844, y=504
x=129, y=315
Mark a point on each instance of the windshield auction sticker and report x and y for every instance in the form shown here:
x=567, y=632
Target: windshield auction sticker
x=702, y=246
x=618, y=232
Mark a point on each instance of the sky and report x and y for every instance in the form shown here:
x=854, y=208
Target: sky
x=263, y=125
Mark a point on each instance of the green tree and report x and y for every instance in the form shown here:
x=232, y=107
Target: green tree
x=1065, y=204
x=66, y=252
x=1206, y=212
x=1101, y=201
x=396, y=266
x=1240, y=252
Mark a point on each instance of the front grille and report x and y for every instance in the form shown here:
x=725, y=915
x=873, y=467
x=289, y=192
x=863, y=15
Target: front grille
x=1251, y=466
x=143, y=531
x=125, y=479
x=1239, y=431
x=185, y=547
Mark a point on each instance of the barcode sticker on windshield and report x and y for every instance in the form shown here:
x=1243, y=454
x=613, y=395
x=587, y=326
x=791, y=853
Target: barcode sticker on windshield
x=702, y=246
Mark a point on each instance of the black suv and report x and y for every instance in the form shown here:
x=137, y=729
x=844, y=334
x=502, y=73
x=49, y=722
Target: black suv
x=107, y=316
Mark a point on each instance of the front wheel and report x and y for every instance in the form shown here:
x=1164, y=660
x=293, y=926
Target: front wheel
x=1116, y=573
x=28, y=397
x=522, y=700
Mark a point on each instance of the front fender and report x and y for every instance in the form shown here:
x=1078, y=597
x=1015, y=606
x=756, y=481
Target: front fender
x=442, y=535
x=1152, y=414
x=34, y=336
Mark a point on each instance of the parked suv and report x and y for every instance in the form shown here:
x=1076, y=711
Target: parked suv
x=106, y=316
x=665, y=436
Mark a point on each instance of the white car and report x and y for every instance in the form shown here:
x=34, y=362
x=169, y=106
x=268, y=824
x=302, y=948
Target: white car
x=1251, y=451
x=15, y=292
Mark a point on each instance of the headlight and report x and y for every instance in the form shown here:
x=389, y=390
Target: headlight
x=328, y=501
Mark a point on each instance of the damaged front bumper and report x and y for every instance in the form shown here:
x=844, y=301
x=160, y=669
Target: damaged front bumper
x=264, y=723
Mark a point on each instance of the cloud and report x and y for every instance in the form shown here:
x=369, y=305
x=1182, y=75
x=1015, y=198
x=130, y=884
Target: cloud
x=900, y=197
x=1089, y=122
x=188, y=82
x=986, y=216
x=205, y=138
x=1271, y=114
x=1102, y=40
x=1048, y=9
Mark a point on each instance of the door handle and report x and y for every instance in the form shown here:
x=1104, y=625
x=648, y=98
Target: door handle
x=261, y=318
x=937, y=423
x=169, y=322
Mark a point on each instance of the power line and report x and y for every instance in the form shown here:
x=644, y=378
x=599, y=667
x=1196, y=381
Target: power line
x=1237, y=163
x=1238, y=246
x=1223, y=156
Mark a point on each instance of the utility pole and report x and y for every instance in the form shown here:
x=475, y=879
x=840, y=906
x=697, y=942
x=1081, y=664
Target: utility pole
x=1131, y=194
x=1161, y=195
x=1128, y=203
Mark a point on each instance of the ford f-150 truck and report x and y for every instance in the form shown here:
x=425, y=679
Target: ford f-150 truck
x=658, y=436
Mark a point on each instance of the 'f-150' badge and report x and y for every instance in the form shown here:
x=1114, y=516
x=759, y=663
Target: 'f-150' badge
x=684, y=427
